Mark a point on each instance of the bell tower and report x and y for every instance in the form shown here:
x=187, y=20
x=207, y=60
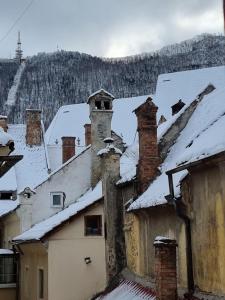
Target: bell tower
x=100, y=104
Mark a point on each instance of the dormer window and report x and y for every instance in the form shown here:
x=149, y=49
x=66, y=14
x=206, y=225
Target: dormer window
x=57, y=199
x=98, y=104
x=177, y=107
x=6, y=195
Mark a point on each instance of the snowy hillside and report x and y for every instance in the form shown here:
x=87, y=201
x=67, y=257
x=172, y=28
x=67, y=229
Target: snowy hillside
x=49, y=81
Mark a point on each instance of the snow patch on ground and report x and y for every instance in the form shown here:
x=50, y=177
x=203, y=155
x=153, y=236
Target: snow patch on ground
x=11, y=100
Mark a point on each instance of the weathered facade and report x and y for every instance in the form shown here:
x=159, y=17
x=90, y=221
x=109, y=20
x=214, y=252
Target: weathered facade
x=204, y=195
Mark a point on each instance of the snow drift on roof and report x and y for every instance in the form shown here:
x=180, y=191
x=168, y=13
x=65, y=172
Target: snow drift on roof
x=129, y=290
x=8, y=181
x=40, y=229
x=185, y=85
x=70, y=121
x=128, y=163
x=32, y=168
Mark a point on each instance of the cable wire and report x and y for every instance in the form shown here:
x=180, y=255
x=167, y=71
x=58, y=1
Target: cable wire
x=17, y=20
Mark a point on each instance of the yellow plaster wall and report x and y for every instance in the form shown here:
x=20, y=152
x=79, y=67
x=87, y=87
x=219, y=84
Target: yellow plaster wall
x=140, y=231
x=34, y=256
x=70, y=278
x=8, y=293
x=11, y=228
x=67, y=276
x=132, y=237
x=208, y=228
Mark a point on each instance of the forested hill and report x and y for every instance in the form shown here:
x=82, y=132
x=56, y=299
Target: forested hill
x=50, y=80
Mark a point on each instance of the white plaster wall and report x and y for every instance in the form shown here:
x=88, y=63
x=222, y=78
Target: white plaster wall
x=25, y=212
x=55, y=156
x=73, y=180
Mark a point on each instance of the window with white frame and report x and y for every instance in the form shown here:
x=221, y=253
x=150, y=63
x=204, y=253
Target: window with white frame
x=57, y=199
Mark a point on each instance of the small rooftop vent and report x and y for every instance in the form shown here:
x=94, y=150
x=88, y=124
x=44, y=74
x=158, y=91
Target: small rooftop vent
x=177, y=107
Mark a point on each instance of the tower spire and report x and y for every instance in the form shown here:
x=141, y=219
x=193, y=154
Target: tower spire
x=19, y=52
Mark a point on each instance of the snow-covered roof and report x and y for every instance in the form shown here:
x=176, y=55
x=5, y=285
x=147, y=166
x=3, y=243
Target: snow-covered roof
x=5, y=138
x=70, y=121
x=6, y=206
x=8, y=181
x=101, y=91
x=185, y=85
x=200, y=138
x=32, y=169
x=128, y=290
x=39, y=230
x=66, y=163
x=128, y=163
x=129, y=159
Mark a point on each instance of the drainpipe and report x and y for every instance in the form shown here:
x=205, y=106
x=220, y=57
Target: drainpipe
x=180, y=210
x=17, y=270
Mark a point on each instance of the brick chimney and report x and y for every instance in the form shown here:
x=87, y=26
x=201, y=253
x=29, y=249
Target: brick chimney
x=149, y=159
x=34, y=128
x=87, y=128
x=165, y=269
x=4, y=122
x=68, y=147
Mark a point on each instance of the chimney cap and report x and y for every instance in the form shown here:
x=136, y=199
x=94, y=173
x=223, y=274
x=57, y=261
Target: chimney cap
x=101, y=92
x=68, y=137
x=149, y=100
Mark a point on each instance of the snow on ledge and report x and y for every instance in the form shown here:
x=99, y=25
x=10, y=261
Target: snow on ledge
x=101, y=91
x=5, y=138
x=108, y=149
x=6, y=252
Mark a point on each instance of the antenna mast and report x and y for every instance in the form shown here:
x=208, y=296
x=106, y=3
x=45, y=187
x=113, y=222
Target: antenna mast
x=19, y=52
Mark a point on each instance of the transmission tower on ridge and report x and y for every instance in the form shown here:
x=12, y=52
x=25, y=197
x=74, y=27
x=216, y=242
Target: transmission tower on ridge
x=19, y=52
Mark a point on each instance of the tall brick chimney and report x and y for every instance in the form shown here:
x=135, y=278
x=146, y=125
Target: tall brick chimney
x=68, y=147
x=87, y=128
x=149, y=159
x=165, y=269
x=34, y=128
x=4, y=122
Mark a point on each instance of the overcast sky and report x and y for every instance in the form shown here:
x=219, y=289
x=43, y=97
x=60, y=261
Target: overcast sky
x=109, y=28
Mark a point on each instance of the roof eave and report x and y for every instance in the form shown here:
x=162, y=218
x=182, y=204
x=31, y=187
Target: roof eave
x=204, y=161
